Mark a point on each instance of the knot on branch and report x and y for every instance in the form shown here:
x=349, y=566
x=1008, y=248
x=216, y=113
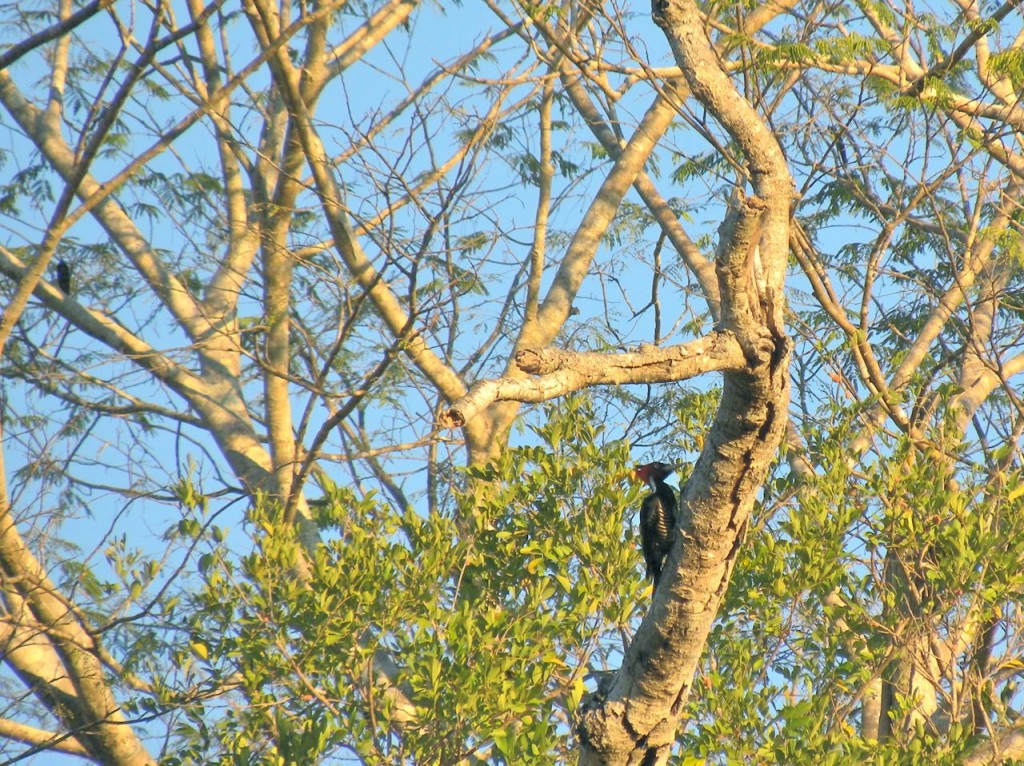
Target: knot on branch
x=598, y=723
x=540, y=361
x=452, y=417
x=659, y=13
x=758, y=348
x=740, y=230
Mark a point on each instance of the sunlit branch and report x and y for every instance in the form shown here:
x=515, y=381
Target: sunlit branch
x=106, y=330
x=347, y=245
x=563, y=372
x=980, y=27
x=545, y=173
x=701, y=267
x=576, y=261
x=40, y=738
x=62, y=27
x=369, y=34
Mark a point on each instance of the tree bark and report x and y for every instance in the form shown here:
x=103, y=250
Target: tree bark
x=47, y=643
x=635, y=721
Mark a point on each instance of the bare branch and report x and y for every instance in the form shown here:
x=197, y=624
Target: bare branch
x=62, y=27
x=563, y=372
x=40, y=739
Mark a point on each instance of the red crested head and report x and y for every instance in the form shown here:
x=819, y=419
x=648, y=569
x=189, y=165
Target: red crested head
x=653, y=471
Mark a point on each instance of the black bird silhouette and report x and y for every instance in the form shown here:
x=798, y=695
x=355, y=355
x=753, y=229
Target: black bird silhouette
x=64, y=276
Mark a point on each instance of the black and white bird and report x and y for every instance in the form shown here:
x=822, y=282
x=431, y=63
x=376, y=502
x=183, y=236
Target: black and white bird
x=657, y=517
x=64, y=276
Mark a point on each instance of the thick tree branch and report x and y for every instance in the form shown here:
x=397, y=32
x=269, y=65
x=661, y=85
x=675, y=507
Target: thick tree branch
x=1005, y=747
x=701, y=267
x=635, y=720
x=563, y=372
x=737, y=265
x=383, y=298
x=575, y=264
x=40, y=739
x=59, y=656
x=371, y=32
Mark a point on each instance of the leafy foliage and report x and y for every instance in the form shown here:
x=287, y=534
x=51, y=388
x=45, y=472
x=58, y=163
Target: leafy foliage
x=836, y=568
x=497, y=608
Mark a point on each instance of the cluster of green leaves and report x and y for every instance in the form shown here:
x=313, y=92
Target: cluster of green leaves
x=1009, y=63
x=840, y=572
x=493, y=609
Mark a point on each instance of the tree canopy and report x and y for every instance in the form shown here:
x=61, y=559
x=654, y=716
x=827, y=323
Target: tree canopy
x=331, y=333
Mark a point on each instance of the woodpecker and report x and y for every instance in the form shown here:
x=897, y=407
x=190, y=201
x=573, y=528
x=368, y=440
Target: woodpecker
x=64, y=277
x=657, y=517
